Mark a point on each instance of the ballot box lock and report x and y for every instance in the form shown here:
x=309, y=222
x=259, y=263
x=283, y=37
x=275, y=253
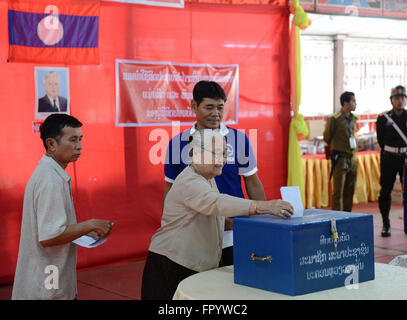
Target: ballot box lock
x=334, y=233
x=268, y=259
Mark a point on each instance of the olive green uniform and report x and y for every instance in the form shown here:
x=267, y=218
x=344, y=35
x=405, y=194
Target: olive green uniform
x=337, y=134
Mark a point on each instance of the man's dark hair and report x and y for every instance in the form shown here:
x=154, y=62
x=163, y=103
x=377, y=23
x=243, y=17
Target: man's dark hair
x=208, y=89
x=346, y=97
x=53, y=125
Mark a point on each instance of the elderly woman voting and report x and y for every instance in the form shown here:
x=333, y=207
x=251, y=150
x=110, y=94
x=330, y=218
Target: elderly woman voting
x=190, y=237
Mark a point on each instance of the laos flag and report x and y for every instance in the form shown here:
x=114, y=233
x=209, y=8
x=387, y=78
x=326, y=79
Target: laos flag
x=54, y=31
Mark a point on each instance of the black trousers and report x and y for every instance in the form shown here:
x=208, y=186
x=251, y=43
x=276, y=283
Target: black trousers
x=161, y=277
x=227, y=257
x=390, y=165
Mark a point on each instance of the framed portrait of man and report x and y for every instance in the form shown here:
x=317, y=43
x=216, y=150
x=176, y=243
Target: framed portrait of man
x=51, y=91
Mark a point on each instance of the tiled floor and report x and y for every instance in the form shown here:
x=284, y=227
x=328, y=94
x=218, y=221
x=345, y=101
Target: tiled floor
x=123, y=282
x=387, y=248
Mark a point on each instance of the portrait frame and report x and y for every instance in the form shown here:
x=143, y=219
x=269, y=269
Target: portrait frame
x=40, y=92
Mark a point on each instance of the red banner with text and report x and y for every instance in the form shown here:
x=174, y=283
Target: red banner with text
x=158, y=93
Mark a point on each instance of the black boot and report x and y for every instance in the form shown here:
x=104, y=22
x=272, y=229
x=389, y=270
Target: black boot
x=386, y=227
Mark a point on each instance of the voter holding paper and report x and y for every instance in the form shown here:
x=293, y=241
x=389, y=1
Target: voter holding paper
x=49, y=221
x=190, y=237
x=293, y=195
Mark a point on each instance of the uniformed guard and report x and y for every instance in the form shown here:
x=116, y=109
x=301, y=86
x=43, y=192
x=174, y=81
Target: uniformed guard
x=339, y=134
x=391, y=127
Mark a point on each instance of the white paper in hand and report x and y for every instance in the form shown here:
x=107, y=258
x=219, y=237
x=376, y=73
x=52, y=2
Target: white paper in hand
x=293, y=196
x=89, y=242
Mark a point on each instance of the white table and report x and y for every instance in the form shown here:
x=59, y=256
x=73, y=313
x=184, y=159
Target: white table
x=217, y=284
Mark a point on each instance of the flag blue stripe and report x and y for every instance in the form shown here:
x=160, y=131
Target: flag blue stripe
x=79, y=31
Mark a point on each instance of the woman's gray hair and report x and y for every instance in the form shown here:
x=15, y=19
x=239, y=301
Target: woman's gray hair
x=203, y=140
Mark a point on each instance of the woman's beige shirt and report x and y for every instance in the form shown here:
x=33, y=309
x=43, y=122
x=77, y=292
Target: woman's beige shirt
x=193, y=220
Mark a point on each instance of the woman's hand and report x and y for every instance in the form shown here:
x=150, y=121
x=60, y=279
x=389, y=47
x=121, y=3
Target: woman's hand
x=279, y=208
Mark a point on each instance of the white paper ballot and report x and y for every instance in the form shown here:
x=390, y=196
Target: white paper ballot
x=89, y=242
x=293, y=196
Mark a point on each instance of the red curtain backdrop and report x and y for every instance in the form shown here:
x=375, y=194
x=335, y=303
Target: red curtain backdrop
x=114, y=178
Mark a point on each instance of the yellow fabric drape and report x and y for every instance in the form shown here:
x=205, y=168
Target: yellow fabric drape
x=295, y=175
x=318, y=187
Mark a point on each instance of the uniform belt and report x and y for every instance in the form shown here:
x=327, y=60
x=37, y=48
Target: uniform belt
x=395, y=149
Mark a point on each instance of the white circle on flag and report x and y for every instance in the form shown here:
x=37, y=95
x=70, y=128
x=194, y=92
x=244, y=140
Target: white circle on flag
x=50, y=30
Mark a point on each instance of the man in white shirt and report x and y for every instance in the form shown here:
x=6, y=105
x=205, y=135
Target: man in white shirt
x=46, y=265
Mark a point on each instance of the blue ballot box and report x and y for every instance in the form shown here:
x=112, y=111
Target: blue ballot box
x=303, y=255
